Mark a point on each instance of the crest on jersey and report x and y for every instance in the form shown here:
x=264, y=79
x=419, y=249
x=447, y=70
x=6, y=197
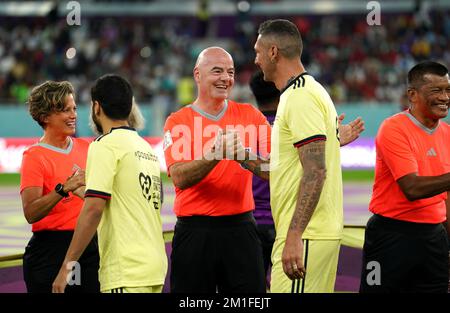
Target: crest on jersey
x=167, y=140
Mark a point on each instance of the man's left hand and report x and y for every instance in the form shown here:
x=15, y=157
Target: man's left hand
x=351, y=131
x=292, y=257
x=60, y=282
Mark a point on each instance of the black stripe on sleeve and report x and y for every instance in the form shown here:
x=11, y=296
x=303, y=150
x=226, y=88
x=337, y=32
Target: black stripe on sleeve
x=305, y=141
x=97, y=194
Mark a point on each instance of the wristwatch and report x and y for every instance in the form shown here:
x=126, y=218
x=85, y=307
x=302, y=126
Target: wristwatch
x=60, y=189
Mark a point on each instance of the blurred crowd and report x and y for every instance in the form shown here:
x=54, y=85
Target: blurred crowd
x=356, y=62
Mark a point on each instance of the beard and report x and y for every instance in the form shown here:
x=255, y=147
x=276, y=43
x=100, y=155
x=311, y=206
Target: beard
x=94, y=124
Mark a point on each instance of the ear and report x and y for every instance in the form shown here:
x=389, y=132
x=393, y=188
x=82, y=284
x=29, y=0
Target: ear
x=273, y=53
x=196, y=73
x=412, y=94
x=96, y=107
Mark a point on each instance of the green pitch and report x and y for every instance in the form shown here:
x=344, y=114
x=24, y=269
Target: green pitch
x=8, y=179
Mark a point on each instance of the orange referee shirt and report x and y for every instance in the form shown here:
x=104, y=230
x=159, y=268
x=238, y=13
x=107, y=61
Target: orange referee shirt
x=227, y=189
x=45, y=166
x=405, y=146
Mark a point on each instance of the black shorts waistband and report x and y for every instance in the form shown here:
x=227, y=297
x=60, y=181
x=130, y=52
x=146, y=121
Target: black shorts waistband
x=406, y=226
x=216, y=221
x=53, y=234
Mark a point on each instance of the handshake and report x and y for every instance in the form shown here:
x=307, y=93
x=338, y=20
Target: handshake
x=227, y=145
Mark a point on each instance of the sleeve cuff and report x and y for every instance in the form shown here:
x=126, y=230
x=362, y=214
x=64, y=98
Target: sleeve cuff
x=97, y=194
x=305, y=141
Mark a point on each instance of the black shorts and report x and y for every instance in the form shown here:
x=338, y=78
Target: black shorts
x=44, y=256
x=217, y=254
x=400, y=256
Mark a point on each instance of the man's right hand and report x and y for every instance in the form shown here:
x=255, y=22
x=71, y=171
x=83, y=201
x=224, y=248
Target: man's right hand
x=75, y=181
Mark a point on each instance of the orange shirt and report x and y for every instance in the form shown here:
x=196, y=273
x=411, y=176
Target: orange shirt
x=227, y=189
x=45, y=166
x=405, y=146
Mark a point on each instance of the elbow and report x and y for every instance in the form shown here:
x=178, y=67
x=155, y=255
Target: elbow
x=30, y=219
x=178, y=182
x=411, y=195
x=315, y=174
x=320, y=174
x=178, y=178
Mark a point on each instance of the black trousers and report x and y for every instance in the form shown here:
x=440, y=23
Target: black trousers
x=44, y=256
x=401, y=256
x=217, y=254
x=266, y=233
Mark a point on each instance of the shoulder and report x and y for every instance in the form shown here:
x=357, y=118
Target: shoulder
x=244, y=109
x=184, y=112
x=33, y=149
x=33, y=152
x=247, y=107
x=395, y=121
x=80, y=142
x=394, y=127
x=182, y=116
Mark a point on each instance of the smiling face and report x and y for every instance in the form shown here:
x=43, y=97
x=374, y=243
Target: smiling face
x=431, y=99
x=63, y=122
x=214, y=74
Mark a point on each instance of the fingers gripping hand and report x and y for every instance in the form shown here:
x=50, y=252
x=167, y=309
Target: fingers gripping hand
x=234, y=150
x=76, y=180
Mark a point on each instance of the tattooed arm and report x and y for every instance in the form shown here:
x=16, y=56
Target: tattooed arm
x=312, y=158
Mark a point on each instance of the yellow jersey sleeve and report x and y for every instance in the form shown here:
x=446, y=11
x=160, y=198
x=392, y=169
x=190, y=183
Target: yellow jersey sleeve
x=100, y=170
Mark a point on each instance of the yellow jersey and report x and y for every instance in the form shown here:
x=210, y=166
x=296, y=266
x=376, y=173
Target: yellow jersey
x=305, y=113
x=123, y=169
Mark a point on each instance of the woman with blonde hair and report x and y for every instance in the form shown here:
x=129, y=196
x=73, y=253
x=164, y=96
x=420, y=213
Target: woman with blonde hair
x=52, y=191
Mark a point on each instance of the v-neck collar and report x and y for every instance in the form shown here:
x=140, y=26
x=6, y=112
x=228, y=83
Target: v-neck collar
x=210, y=116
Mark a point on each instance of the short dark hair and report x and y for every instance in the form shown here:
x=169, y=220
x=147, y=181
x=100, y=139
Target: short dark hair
x=115, y=96
x=48, y=98
x=416, y=74
x=286, y=34
x=265, y=92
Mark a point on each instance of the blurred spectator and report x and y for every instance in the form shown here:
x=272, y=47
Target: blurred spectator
x=356, y=62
